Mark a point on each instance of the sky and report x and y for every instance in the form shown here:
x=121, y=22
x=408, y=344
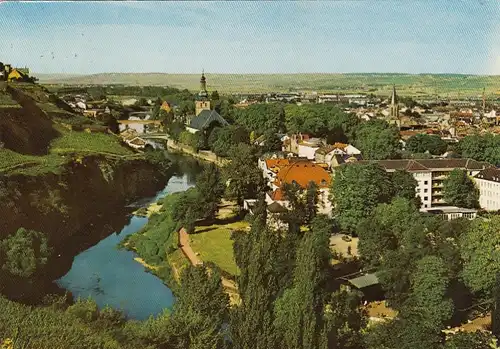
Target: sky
x=371, y=36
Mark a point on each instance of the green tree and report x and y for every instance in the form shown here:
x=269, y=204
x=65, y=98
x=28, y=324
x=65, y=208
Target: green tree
x=210, y=190
x=200, y=311
x=24, y=253
x=495, y=312
x=356, y=190
x=322, y=120
x=470, y=340
x=215, y=96
x=421, y=143
x=481, y=148
x=391, y=240
x=299, y=311
x=84, y=309
x=175, y=129
x=377, y=140
x=312, y=201
x=256, y=254
x=243, y=177
x=156, y=109
x=459, y=190
x=261, y=117
x=404, y=185
x=481, y=256
x=227, y=138
x=344, y=320
x=430, y=283
x=272, y=142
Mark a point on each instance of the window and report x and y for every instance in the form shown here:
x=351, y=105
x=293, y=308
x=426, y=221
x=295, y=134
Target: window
x=425, y=205
x=425, y=190
x=425, y=182
x=426, y=198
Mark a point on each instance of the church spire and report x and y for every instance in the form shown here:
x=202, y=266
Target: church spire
x=203, y=85
x=394, y=97
x=394, y=109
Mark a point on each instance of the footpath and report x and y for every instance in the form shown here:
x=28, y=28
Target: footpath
x=230, y=286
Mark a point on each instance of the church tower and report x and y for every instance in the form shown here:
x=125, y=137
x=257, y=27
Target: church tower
x=202, y=101
x=394, y=109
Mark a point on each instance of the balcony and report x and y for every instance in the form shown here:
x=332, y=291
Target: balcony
x=438, y=202
x=437, y=185
x=437, y=193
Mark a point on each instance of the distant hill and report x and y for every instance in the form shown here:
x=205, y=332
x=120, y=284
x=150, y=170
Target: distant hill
x=421, y=84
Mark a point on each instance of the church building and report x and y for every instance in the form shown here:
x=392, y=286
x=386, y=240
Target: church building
x=205, y=119
x=394, y=109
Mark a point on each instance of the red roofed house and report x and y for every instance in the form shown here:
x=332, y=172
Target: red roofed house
x=302, y=172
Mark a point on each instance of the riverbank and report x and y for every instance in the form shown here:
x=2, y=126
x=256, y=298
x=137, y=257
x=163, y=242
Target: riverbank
x=204, y=155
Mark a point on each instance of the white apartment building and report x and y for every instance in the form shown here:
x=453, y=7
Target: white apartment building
x=488, y=182
x=430, y=175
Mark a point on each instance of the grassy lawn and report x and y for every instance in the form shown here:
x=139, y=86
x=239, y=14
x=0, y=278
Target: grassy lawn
x=214, y=244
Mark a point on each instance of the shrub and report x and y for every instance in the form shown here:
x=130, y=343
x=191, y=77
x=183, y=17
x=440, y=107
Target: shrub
x=85, y=310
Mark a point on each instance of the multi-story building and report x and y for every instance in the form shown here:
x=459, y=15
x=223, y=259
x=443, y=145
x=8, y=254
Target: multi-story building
x=488, y=182
x=430, y=175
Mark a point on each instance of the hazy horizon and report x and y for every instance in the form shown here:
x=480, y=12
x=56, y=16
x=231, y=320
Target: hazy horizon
x=229, y=37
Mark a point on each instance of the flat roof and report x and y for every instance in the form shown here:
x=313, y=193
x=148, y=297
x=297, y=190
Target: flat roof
x=364, y=281
x=448, y=209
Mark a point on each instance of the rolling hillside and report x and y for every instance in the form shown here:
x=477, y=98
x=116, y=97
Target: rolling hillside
x=422, y=84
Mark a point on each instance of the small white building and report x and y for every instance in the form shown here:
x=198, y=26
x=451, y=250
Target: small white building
x=451, y=212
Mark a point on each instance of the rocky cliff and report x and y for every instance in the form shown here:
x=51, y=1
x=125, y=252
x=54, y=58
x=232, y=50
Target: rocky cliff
x=77, y=208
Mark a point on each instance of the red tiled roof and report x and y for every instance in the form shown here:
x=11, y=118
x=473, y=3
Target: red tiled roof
x=303, y=172
x=276, y=164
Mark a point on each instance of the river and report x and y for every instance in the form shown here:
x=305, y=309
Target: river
x=110, y=275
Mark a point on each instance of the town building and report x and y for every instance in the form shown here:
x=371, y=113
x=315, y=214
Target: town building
x=430, y=175
x=8, y=73
x=301, y=173
x=451, y=212
x=488, y=183
x=337, y=154
x=204, y=120
x=394, y=109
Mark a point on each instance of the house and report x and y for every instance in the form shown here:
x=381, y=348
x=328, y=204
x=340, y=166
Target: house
x=451, y=212
x=271, y=167
x=274, y=213
x=336, y=154
x=291, y=143
x=302, y=172
x=430, y=175
x=302, y=145
x=166, y=107
x=488, y=183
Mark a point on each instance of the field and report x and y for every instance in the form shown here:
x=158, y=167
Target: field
x=84, y=142
x=70, y=142
x=422, y=84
